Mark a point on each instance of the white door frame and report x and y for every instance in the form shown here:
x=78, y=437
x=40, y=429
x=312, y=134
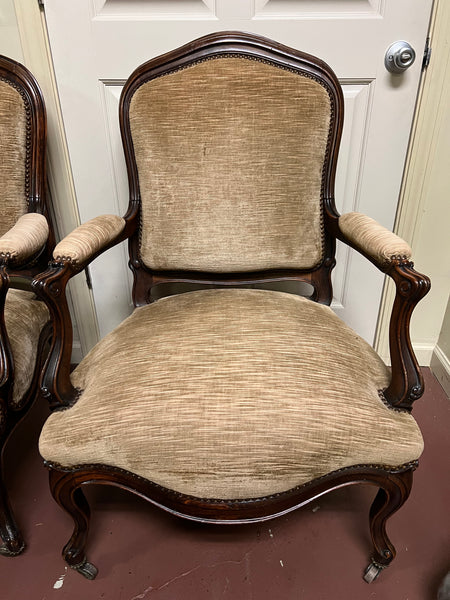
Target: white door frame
x=37, y=56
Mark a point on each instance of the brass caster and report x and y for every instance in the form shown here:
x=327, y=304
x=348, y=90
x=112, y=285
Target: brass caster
x=372, y=572
x=86, y=569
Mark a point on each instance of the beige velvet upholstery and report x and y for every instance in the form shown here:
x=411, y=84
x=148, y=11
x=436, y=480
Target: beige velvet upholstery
x=88, y=239
x=230, y=185
x=372, y=238
x=25, y=318
x=25, y=238
x=13, y=124
x=231, y=394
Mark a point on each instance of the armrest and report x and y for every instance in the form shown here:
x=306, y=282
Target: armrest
x=372, y=239
x=392, y=255
x=25, y=238
x=88, y=240
x=71, y=256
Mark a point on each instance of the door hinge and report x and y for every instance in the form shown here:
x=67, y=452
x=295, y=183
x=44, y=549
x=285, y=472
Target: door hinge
x=426, y=54
x=88, y=278
x=41, y=4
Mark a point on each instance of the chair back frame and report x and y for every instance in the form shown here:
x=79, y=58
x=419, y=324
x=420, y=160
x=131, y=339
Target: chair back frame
x=227, y=44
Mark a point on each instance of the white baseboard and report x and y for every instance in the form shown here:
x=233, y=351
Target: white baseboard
x=423, y=352
x=440, y=366
x=77, y=355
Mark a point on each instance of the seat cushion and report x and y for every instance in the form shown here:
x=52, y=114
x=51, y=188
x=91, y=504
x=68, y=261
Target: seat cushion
x=231, y=394
x=25, y=318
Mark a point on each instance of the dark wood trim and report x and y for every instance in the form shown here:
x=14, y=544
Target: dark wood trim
x=406, y=384
x=148, y=280
x=50, y=286
x=6, y=357
x=66, y=484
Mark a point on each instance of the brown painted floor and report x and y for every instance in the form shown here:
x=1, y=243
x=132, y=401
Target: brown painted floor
x=318, y=552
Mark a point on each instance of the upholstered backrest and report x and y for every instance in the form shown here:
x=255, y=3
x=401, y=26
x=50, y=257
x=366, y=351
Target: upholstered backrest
x=13, y=155
x=230, y=154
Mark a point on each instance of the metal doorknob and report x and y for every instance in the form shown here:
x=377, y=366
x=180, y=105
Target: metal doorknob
x=399, y=57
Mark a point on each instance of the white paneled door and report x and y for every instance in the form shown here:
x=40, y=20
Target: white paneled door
x=96, y=44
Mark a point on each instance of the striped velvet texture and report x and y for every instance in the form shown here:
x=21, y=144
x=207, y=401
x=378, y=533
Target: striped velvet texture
x=230, y=174
x=372, y=238
x=231, y=394
x=13, y=121
x=25, y=318
x=89, y=238
x=25, y=238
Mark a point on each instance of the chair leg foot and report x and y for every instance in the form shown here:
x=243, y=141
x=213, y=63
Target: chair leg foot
x=372, y=572
x=389, y=499
x=68, y=494
x=86, y=569
x=11, y=541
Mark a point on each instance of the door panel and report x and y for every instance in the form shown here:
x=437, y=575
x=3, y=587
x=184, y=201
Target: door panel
x=96, y=44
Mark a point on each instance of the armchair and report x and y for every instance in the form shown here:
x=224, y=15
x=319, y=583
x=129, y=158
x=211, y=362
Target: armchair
x=231, y=404
x=26, y=243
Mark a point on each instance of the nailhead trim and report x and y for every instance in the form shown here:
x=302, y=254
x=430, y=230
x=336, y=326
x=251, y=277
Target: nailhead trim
x=386, y=403
x=239, y=501
x=284, y=68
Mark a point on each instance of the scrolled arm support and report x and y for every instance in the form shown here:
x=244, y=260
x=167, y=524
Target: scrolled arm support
x=391, y=255
x=6, y=358
x=406, y=383
x=71, y=256
x=50, y=286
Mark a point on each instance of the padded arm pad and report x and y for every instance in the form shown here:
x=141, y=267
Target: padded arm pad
x=88, y=239
x=25, y=238
x=372, y=239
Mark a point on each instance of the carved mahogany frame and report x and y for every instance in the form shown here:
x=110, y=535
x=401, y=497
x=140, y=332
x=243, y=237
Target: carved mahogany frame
x=66, y=486
x=15, y=275
x=394, y=482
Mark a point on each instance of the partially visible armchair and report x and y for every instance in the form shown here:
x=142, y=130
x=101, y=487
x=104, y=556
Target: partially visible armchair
x=26, y=244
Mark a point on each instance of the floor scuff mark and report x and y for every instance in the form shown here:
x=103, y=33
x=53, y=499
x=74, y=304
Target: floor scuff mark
x=143, y=594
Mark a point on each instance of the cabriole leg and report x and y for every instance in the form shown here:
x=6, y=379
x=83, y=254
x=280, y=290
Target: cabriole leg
x=387, y=501
x=68, y=494
x=11, y=543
